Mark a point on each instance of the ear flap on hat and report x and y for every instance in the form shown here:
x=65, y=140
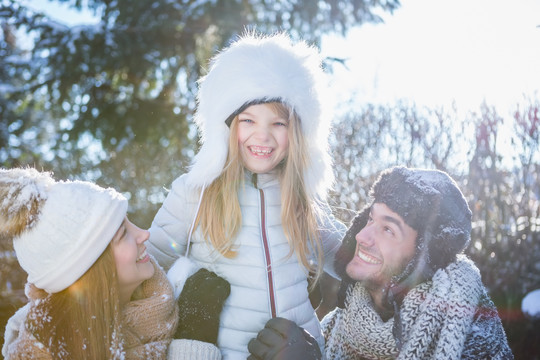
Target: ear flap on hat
x=346, y=252
x=451, y=234
x=416, y=271
x=22, y=192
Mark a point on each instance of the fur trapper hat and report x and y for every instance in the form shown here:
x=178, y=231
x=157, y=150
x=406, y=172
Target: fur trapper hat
x=431, y=203
x=258, y=69
x=59, y=229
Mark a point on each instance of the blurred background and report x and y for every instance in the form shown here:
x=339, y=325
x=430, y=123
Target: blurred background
x=104, y=90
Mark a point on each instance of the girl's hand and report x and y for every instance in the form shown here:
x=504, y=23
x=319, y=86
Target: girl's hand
x=200, y=303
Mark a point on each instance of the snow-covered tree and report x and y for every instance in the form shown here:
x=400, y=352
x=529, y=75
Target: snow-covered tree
x=114, y=99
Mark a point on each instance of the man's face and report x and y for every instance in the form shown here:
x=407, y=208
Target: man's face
x=383, y=248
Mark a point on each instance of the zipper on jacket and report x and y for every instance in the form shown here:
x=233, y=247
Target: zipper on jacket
x=266, y=248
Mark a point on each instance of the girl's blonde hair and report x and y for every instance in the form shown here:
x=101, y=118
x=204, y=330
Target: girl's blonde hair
x=299, y=212
x=82, y=321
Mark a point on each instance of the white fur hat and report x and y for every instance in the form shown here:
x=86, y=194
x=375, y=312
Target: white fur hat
x=59, y=229
x=262, y=68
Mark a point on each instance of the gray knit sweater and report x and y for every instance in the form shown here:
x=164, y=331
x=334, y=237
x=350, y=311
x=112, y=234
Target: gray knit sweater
x=450, y=317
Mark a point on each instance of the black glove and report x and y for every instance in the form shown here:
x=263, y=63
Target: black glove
x=282, y=339
x=200, y=303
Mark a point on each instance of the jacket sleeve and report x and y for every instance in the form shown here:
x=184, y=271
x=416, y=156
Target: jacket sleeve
x=331, y=233
x=185, y=349
x=170, y=228
x=486, y=338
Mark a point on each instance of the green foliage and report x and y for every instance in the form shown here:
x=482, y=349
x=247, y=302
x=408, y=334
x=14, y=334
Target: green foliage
x=112, y=102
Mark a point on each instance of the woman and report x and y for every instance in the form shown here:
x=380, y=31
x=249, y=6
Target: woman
x=94, y=292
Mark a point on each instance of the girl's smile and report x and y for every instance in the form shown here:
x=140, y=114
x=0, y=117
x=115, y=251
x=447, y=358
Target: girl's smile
x=263, y=138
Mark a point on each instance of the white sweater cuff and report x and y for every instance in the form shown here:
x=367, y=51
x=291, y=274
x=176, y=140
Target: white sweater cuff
x=185, y=349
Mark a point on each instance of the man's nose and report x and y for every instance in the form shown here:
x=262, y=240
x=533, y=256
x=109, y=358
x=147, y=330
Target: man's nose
x=365, y=236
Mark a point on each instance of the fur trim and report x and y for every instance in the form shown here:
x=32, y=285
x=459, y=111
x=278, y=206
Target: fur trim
x=430, y=202
x=259, y=68
x=23, y=191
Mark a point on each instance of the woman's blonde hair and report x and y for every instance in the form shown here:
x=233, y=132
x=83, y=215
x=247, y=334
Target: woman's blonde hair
x=82, y=321
x=299, y=212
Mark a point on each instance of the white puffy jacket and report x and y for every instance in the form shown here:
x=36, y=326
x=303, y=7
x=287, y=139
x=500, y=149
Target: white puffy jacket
x=264, y=281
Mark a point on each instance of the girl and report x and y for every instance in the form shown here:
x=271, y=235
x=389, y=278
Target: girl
x=94, y=292
x=252, y=206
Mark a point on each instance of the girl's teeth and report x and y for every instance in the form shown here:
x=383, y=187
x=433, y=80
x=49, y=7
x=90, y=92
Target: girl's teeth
x=259, y=151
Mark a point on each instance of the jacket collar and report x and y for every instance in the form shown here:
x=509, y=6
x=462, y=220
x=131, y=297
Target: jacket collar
x=262, y=181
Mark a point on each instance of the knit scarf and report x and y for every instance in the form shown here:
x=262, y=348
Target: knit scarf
x=436, y=318
x=149, y=320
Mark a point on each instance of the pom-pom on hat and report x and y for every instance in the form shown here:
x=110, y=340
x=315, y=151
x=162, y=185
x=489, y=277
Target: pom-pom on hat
x=258, y=69
x=59, y=229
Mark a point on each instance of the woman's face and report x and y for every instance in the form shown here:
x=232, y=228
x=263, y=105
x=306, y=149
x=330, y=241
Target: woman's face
x=263, y=139
x=133, y=264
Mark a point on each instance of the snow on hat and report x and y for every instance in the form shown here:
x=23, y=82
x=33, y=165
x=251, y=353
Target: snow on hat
x=258, y=69
x=430, y=202
x=59, y=229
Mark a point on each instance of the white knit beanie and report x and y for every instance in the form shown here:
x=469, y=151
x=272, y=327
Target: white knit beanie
x=263, y=68
x=59, y=229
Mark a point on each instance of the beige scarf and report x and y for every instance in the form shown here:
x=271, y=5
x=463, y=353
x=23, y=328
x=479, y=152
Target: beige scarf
x=150, y=319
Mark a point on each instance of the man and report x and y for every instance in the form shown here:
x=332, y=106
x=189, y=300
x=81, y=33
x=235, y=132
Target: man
x=407, y=290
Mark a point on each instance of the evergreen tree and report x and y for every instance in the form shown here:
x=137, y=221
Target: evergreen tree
x=112, y=101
